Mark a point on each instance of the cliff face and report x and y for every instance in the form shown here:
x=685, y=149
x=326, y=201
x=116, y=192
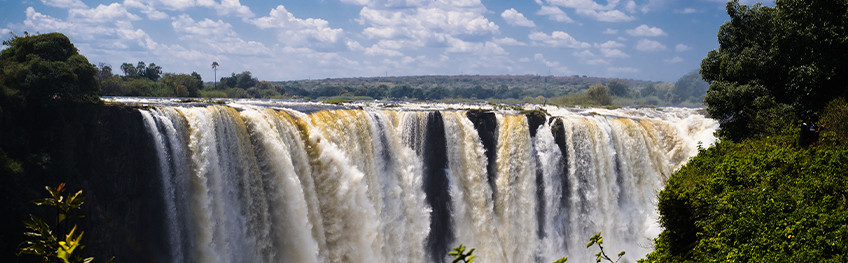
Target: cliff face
x=103, y=150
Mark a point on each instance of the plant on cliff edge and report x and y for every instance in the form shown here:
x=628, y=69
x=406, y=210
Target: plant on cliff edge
x=48, y=245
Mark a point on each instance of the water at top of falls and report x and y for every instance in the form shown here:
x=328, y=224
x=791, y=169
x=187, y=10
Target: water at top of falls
x=251, y=180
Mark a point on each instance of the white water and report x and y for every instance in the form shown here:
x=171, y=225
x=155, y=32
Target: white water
x=272, y=184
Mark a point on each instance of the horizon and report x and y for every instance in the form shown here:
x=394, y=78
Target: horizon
x=649, y=40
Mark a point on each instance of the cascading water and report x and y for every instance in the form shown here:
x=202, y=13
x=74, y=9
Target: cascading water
x=252, y=182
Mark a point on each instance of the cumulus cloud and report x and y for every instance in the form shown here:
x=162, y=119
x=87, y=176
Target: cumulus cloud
x=148, y=10
x=681, y=48
x=515, y=18
x=687, y=10
x=459, y=46
x=610, y=49
x=216, y=35
x=649, y=45
x=65, y=3
x=610, y=31
x=630, y=6
x=524, y=59
x=296, y=31
x=554, y=13
x=376, y=50
x=622, y=70
x=589, y=57
x=606, y=16
x=423, y=23
x=673, y=60
x=645, y=31
x=101, y=14
x=508, y=41
x=222, y=7
x=584, y=4
x=557, y=39
x=539, y=57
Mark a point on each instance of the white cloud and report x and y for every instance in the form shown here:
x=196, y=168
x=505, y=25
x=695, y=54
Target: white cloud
x=376, y=50
x=524, y=59
x=515, y=18
x=554, y=13
x=148, y=10
x=295, y=31
x=584, y=4
x=681, y=48
x=101, y=14
x=458, y=46
x=585, y=54
x=687, y=10
x=508, y=41
x=609, y=44
x=610, y=31
x=423, y=23
x=649, y=45
x=676, y=59
x=353, y=45
x=539, y=57
x=645, y=31
x=218, y=36
x=224, y=8
x=65, y=3
x=606, y=16
x=630, y=6
x=558, y=39
x=206, y=28
x=622, y=70
x=610, y=49
x=231, y=7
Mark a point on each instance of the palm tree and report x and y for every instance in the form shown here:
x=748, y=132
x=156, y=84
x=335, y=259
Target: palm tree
x=215, y=67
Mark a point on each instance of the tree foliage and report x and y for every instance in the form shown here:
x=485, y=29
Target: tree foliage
x=44, y=67
x=760, y=200
x=599, y=94
x=618, y=87
x=775, y=64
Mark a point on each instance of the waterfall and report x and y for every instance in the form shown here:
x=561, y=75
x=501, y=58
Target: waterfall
x=270, y=183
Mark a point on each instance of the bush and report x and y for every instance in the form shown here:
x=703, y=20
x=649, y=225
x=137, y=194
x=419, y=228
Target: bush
x=759, y=200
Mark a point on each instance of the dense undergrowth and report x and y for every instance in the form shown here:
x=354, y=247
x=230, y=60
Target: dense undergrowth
x=760, y=200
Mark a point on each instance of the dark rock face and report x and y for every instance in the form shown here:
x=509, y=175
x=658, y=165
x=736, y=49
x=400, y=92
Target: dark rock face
x=486, y=124
x=436, y=188
x=104, y=150
x=534, y=119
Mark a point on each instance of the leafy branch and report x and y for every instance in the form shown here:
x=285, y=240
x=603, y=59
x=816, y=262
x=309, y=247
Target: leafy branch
x=597, y=239
x=47, y=243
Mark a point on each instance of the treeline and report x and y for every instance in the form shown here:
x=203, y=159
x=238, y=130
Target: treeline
x=689, y=89
x=144, y=80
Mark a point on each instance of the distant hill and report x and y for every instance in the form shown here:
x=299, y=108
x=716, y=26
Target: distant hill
x=524, y=82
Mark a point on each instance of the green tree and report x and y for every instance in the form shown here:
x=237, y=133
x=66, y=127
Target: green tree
x=618, y=87
x=45, y=67
x=774, y=65
x=689, y=87
x=215, y=68
x=599, y=94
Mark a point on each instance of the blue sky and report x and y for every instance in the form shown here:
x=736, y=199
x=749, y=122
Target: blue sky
x=657, y=40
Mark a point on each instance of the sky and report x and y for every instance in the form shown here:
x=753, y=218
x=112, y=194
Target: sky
x=659, y=40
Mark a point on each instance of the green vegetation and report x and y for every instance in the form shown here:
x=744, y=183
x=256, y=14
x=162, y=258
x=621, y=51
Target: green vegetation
x=47, y=244
x=460, y=254
x=776, y=64
x=45, y=67
x=755, y=196
x=760, y=200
